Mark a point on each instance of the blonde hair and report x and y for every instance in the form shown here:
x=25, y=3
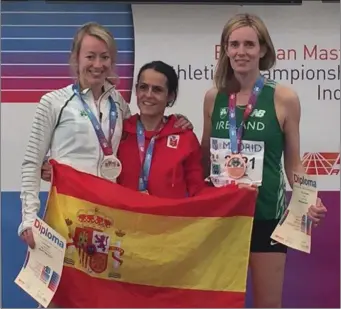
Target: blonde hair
x=95, y=30
x=224, y=78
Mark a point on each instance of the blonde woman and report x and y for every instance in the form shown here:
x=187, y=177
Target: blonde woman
x=81, y=124
x=246, y=110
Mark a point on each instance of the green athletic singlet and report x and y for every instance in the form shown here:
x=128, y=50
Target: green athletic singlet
x=262, y=125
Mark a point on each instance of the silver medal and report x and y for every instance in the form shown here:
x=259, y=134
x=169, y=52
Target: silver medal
x=111, y=168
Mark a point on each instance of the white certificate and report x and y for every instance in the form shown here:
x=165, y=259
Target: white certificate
x=252, y=153
x=42, y=269
x=294, y=228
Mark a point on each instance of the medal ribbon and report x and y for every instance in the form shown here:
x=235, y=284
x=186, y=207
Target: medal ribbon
x=146, y=156
x=104, y=143
x=236, y=135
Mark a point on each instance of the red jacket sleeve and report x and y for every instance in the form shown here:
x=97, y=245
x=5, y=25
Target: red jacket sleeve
x=194, y=173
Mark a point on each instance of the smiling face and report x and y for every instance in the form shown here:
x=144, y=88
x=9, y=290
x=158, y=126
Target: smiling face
x=244, y=50
x=94, y=62
x=152, y=93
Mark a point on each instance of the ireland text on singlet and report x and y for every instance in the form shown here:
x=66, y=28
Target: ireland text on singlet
x=262, y=125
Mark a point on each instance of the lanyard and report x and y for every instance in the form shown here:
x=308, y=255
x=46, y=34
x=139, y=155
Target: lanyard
x=236, y=135
x=146, y=156
x=104, y=143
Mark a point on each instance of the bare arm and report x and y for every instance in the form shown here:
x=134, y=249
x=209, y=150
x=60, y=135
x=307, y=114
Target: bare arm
x=205, y=140
x=292, y=158
x=291, y=127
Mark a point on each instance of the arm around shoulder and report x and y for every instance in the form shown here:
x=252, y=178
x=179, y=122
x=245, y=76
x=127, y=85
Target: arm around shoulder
x=126, y=113
x=209, y=100
x=42, y=129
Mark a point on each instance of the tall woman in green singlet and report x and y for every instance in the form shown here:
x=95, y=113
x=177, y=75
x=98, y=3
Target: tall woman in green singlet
x=271, y=129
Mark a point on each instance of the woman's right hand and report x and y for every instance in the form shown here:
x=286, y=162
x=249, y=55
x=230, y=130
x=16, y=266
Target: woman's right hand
x=250, y=187
x=27, y=237
x=46, y=171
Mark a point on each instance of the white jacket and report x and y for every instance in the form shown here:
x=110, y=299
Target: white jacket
x=60, y=126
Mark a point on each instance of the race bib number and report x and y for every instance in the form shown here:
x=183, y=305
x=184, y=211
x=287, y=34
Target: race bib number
x=252, y=153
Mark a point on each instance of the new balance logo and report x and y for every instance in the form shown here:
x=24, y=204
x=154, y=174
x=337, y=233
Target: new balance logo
x=259, y=113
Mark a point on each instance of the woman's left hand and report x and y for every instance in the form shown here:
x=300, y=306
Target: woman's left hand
x=182, y=122
x=317, y=212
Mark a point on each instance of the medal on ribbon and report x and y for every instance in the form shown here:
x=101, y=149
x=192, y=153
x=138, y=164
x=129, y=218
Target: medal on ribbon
x=146, y=156
x=110, y=167
x=235, y=165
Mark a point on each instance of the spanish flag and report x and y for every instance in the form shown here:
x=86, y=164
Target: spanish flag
x=128, y=249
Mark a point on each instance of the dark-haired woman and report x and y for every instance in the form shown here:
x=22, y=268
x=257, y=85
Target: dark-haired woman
x=158, y=158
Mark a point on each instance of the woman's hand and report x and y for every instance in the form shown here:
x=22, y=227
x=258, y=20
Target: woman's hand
x=250, y=187
x=27, y=237
x=183, y=122
x=46, y=170
x=317, y=212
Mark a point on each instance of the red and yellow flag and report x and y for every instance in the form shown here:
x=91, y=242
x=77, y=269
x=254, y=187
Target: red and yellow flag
x=127, y=249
